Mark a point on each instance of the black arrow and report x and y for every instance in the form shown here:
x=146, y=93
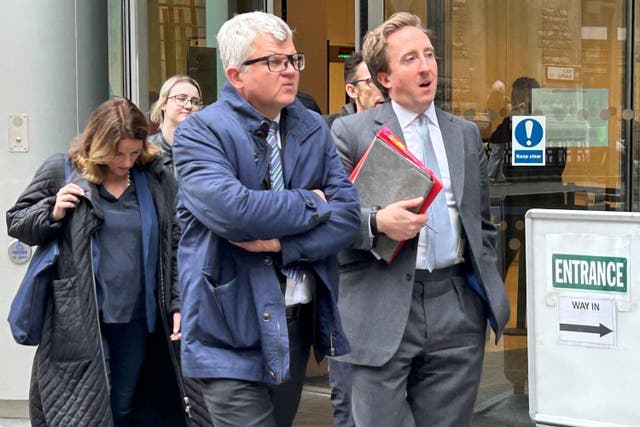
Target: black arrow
x=602, y=330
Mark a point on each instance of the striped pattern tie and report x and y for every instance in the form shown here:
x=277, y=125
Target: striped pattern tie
x=277, y=184
x=275, y=162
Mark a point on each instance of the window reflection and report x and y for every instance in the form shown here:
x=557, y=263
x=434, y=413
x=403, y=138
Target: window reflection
x=176, y=31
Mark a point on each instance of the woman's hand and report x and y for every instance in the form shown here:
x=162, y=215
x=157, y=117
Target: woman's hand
x=176, y=335
x=66, y=198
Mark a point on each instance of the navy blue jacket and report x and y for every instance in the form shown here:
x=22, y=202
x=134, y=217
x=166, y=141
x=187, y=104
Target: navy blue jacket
x=233, y=311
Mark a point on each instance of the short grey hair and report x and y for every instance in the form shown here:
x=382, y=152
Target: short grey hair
x=236, y=36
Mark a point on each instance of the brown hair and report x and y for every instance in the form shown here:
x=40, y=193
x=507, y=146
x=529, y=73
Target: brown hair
x=112, y=121
x=374, y=48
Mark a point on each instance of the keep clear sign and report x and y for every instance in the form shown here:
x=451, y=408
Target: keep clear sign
x=588, y=277
x=528, y=136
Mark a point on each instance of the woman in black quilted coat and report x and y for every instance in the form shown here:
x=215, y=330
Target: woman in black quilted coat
x=106, y=356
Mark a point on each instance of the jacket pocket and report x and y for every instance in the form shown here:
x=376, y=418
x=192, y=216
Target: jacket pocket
x=69, y=338
x=227, y=314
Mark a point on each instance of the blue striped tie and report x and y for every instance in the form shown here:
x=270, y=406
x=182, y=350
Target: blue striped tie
x=275, y=162
x=277, y=184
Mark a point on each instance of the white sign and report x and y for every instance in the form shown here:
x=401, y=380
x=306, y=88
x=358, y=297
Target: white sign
x=588, y=321
x=19, y=253
x=528, y=136
x=583, y=317
x=555, y=72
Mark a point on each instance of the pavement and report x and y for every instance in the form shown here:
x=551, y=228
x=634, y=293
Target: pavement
x=500, y=403
x=502, y=399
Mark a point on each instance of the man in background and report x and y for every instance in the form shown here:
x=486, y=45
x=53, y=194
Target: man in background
x=360, y=88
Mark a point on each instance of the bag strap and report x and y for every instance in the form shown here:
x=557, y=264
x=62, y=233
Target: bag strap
x=67, y=167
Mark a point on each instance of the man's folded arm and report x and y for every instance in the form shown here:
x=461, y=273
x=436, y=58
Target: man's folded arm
x=340, y=229
x=210, y=190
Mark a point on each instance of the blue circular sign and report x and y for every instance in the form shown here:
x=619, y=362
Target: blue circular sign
x=529, y=133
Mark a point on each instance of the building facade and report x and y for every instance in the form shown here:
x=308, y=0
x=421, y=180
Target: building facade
x=63, y=58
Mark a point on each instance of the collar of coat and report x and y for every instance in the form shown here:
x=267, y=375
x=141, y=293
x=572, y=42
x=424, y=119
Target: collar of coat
x=91, y=192
x=297, y=120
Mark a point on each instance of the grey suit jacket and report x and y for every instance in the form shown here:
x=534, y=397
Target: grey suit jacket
x=374, y=298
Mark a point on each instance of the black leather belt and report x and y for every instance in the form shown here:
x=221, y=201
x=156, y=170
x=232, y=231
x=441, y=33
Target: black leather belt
x=293, y=311
x=439, y=273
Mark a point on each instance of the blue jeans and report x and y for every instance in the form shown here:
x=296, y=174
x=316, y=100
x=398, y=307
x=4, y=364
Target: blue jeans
x=124, y=345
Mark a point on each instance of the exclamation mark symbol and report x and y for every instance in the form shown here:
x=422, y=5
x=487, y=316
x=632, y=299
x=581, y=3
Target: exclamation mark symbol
x=528, y=129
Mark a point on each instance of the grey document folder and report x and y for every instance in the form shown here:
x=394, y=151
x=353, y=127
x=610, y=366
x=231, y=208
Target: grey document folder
x=386, y=176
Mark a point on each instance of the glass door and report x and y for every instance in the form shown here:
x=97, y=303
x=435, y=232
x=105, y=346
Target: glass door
x=569, y=62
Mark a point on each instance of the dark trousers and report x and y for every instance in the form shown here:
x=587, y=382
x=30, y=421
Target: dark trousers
x=124, y=347
x=340, y=381
x=245, y=403
x=432, y=380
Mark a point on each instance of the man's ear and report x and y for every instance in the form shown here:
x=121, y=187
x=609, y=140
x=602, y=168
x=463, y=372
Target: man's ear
x=234, y=77
x=383, y=79
x=351, y=90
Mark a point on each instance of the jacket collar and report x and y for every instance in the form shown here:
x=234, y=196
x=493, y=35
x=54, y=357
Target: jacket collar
x=347, y=109
x=386, y=117
x=296, y=125
x=455, y=149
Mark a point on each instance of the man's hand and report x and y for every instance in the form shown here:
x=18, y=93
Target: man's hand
x=398, y=223
x=321, y=194
x=272, y=245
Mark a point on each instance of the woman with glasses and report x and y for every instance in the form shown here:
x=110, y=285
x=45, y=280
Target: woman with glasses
x=113, y=215
x=179, y=96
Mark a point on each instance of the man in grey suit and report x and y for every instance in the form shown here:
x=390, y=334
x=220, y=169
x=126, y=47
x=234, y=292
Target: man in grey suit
x=417, y=327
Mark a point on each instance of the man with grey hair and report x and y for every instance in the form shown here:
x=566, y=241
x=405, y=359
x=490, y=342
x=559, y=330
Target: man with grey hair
x=265, y=206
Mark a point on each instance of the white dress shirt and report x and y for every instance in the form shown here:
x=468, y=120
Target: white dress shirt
x=409, y=125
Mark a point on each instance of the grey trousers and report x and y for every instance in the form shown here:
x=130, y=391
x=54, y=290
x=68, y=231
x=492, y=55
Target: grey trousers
x=433, y=378
x=236, y=403
x=340, y=381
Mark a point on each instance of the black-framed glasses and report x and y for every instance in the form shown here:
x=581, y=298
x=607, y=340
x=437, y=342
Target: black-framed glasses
x=368, y=81
x=277, y=63
x=183, y=100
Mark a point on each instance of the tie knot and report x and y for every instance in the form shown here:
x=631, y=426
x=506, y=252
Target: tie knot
x=272, y=139
x=273, y=127
x=423, y=120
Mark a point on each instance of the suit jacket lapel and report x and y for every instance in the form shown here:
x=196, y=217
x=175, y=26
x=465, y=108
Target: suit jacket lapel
x=455, y=149
x=386, y=117
x=451, y=136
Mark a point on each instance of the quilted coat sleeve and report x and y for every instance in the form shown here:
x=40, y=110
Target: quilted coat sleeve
x=29, y=220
